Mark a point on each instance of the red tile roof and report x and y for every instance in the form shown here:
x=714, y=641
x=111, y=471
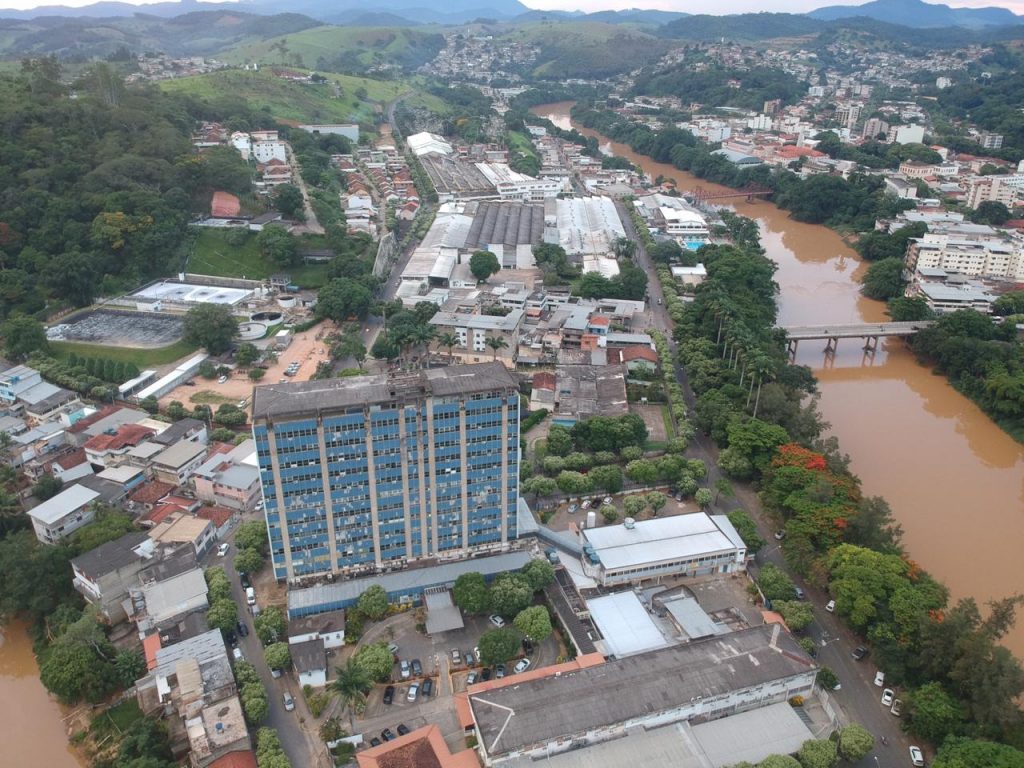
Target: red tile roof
x=544, y=380
x=149, y=647
x=241, y=759
x=639, y=352
x=68, y=460
x=127, y=434
x=423, y=748
x=600, y=320
x=151, y=493
x=158, y=514
x=217, y=515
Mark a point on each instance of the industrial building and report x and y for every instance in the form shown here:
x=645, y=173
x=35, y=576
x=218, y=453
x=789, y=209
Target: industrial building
x=375, y=472
x=696, y=544
x=541, y=715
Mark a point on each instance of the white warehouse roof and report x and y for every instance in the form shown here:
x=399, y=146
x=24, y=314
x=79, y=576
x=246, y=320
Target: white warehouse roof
x=661, y=539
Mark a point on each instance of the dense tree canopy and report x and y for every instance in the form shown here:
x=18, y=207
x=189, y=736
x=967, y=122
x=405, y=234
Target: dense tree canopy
x=212, y=326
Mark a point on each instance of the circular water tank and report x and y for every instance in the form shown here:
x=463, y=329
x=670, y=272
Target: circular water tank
x=591, y=519
x=286, y=302
x=266, y=317
x=250, y=331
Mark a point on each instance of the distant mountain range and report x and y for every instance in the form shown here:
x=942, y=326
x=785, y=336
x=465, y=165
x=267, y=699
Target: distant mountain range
x=906, y=13
x=915, y=13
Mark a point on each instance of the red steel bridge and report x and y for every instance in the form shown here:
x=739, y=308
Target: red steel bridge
x=750, y=191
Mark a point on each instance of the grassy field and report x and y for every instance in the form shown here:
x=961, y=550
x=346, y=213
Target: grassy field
x=141, y=357
x=213, y=255
x=334, y=101
x=344, y=49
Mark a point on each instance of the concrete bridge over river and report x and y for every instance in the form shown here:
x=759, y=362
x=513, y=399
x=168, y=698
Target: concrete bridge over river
x=831, y=334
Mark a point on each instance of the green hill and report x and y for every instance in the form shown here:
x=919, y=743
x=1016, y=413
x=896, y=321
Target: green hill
x=343, y=49
x=586, y=48
x=191, y=34
x=340, y=99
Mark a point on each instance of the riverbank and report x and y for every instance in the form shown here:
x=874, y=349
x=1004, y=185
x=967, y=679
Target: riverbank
x=954, y=480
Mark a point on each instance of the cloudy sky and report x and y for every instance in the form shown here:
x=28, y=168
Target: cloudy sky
x=689, y=6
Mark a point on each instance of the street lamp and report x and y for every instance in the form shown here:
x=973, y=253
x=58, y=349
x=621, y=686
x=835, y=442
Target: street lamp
x=876, y=760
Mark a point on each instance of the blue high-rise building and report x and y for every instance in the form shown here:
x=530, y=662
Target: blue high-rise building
x=367, y=473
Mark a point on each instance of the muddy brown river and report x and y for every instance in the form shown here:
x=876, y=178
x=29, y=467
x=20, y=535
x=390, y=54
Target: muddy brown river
x=955, y=481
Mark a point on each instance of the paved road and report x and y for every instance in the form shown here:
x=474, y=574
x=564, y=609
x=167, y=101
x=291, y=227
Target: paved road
x=302, y=749
x=859, y=699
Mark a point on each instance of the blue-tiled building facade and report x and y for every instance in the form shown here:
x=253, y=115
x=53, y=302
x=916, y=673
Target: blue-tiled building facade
x=373, y=472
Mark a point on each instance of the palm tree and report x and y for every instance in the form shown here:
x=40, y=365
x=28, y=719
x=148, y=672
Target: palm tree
x=422, y=335
x=496, y=343
x=448, y=340
x=351, y=685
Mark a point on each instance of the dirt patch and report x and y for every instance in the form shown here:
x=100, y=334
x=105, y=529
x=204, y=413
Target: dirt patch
x=308, y=349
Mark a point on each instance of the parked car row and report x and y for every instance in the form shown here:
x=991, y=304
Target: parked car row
x=387, y=735
x=423, y=688
x=586, y=504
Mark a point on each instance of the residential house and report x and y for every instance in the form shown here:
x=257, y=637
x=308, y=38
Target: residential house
x=328, y=627
x=110, y=493
x=223, y=518
x=176, y=464
x=423, y=747
x=63, y=514
x=183, y=429
x=24, y=391
x=104, y=575
x=169, y=588
x=310, y=662
x=181, y=528
x=108, y=449
x=244, y=758
x=66, y=467
x=231, y=479
x=218, y=730
x=638, y=358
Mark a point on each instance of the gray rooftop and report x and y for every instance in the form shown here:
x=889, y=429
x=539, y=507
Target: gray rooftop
x=64, y=503
x=507, y=223
x=308, y=656
x=171, y=562
x=202, y=648
x=110, y=556
x=109, y=491
x=536, y=712
x=507, y=322
x=332, y=621
x=177, y=430
x=179, y=454
x=403, y=582
x=310, y=398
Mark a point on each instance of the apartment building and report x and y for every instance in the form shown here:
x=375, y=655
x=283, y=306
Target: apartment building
x=473, y=330
x=974, y=255
x=371, y=473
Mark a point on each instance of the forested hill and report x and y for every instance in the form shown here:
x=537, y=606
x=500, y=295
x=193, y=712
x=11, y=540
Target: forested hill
x=98, y=189
x=191, y=34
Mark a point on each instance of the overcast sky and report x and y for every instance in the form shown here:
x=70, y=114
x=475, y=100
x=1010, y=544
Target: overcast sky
x=689, y=6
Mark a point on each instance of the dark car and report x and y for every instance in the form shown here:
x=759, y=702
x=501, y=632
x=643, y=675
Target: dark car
x=859, y=652
x=485, y=674
x=527, y=646
x=232, y=640
x=417, y=668
x=243, y=629
x=245, y=580
x=389, y=694
x=428, y=687
x=402, y=729
x=499, y=671
x=387, y=734
x=375, y=742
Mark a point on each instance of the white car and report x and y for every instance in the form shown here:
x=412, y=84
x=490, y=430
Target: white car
x=223, y=549
x=222, y=379
x=522, y=666
x=887, y=697
x=830, y=606
x=916, y=757
x=405, y=670
x=897, y=708
x=414, y=691
x=586, y=504
x=497, y=621
x=289, y=702
x=879, y=678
